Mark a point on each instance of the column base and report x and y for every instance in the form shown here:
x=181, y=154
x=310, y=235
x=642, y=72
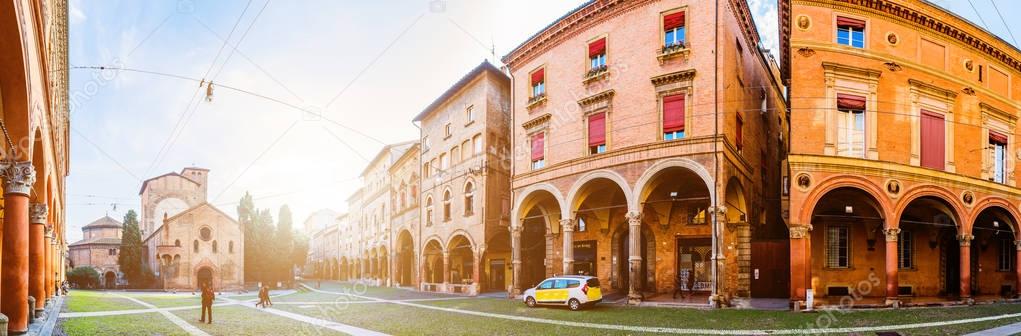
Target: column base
x=634, y=299
x=967, y=301
x=893, y=302
x=715, y=301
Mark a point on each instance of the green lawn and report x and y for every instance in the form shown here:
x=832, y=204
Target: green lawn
x=168, y=301
x=126, y=325
x=237, y=320
x=92, y=301
x=377, y=292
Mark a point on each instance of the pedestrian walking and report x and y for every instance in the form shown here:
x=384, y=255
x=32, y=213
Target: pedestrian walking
x=263, y=297
x=207, y=304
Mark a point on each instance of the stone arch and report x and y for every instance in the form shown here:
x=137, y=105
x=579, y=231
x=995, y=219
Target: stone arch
x=573, y=195
x=856, y=182
x=460, y=250
x=956, y=210
x=528, y=193
x=736, y=202
x=999, y=202
x=641, y=185
x=458, y=232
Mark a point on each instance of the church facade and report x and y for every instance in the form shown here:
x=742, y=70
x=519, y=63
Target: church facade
x=188, y=241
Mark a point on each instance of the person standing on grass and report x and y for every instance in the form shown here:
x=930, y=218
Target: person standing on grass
x=207, y=304
x=263, y=297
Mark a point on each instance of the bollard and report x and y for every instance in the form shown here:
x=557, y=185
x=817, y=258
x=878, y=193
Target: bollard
x=3, y=325
x=31, y=309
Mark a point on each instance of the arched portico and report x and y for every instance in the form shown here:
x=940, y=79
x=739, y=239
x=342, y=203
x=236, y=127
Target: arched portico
x=995, y=249
x=433, y=265
x=930, y=241
x=461, y=263
x=599, y=203
x=537, y=212
x=405, y=254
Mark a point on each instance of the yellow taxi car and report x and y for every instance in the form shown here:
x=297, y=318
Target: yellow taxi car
x=575, y=291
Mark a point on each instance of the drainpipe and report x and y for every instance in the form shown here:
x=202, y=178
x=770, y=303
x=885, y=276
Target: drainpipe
x=714, y=298
x=421, y=188
x=510, y=185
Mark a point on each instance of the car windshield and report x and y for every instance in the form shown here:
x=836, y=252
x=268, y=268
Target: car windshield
x=594, y=282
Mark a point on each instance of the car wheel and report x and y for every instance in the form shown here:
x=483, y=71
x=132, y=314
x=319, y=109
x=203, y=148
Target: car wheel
x=574, y=304
x=530, y=301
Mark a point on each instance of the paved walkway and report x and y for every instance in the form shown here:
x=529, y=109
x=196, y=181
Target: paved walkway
x=685, y=331
x=1010, y=329
x=191, y=329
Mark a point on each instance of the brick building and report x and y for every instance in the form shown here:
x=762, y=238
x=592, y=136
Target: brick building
x=638, y=127
x=903, y=158
x=99, y=247
x=465, y=185
x=405, y=217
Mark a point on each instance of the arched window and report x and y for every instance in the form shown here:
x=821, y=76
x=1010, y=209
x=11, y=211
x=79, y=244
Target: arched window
x=177, y=243
x=469, y=199
x=230, y=246
x=446, y=205
x=404, y=198
x=428, y=210
x=214, y=246
x=195, y=246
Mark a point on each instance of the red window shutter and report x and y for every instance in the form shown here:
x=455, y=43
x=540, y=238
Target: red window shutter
x=537, y=146
x=997, y=138
x=597, y=47
x=673, y=21
x=597, y=129
x=850, y=102
x=932, y=140
x=538, y=76
x=673, y=113
x=850, y=23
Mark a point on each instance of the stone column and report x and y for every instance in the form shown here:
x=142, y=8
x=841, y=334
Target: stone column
x=37, y=255
x=48, y=266
x=515, y=232
x=965, y=242
x=18, y=180
x=567, y=227
x=892, y=266
x=446, y=270
x=477, y=270
x=801, y=261
x=634, y=219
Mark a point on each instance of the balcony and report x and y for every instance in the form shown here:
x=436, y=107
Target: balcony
x=679, y=49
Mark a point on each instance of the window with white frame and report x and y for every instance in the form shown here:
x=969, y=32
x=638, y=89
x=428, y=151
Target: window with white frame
x=469, y=114
x=850, y=125
x=998, y=156
x=838, y=246
x=851, y=32
x=477, y=142
x=538, y=150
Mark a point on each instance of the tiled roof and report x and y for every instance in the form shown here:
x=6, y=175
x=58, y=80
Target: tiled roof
x=97, y=241
x=105, y=222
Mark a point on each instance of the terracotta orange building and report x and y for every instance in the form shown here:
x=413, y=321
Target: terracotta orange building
x=903, y=185
x=647, y=147
x=34, y=105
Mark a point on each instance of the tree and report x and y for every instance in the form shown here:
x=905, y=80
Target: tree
x=283, y=242
x=83, y=277
x=129, y=258
x=299, y=252
x=246, y=217
x=263, y=250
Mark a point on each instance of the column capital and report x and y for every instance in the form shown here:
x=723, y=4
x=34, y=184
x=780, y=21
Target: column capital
x=1017, y=244
x=37, y=213
x=799, y=231
x=965, y=239
x=18, y=178
x=892, y=234
x=634, y=217
x=567, y=224
x=515, y=229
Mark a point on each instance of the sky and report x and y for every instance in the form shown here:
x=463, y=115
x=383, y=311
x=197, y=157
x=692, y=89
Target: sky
x=366, y=67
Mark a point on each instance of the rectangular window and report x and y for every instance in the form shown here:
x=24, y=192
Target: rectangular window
x=739, y=138
x=1007, y=254
x=673, y=30
x=469, y=114
x=425, y=143
x=850, y=125
x=597, y=54
x=597, y=133
x=851, y=32
x=466, y=150
x=539, y=83
x=446, y=130
x=538, y=150
x=933, y=140
x=906, y=250
x=837, y=247
x=426, y=169
x=998, y=151
x=673, y=117
x=444, y=161
x=581, y=224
